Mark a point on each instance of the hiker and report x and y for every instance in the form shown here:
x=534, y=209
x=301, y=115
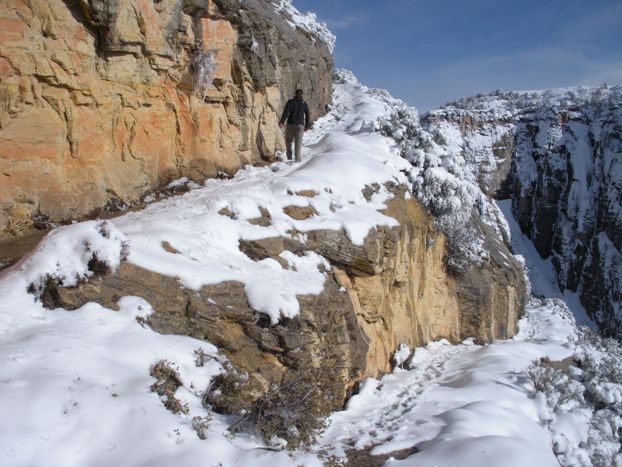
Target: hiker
x=296, y=113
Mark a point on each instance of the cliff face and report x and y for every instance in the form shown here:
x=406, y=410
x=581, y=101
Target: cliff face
x=557, y=154
x=392, y=289
x=101, y=101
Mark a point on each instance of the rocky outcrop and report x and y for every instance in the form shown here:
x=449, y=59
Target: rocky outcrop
x=481, y=134
x=567, y=196
x=392, y=289
x=99, y=101
x=557, y=155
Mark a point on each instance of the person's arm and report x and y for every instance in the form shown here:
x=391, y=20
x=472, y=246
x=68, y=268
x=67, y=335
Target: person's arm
x=307, y=117
x=286, y=111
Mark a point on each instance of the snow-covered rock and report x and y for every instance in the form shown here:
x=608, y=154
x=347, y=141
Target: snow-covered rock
x=558, y=155
x=446, y=182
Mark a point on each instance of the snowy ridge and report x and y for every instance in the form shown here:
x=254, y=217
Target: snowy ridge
x=308, y=22
x=503, y=105
x=556, y=153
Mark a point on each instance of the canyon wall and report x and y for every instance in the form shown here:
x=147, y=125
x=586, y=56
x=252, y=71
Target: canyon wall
x=98, y=101
x=558, y=155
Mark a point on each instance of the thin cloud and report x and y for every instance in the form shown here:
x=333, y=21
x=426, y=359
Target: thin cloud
x=580, y=59
x=547, y=55
x=610, y=73
x=345, y=22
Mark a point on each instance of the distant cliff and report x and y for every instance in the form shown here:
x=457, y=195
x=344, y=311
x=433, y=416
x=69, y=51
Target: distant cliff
x=102, y=101
x=558, y=155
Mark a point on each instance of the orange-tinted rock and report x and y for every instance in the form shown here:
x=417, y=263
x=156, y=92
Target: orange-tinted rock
x=12, y=30
x=98, y=106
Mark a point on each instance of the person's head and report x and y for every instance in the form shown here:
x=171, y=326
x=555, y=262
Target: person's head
x=299, y=93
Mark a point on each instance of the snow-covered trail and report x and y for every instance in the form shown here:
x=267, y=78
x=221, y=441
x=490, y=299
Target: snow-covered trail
x=460, y=404
x=341, y=156
x=382, y=410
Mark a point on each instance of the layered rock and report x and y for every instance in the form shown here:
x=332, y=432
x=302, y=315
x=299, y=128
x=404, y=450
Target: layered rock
x=98, y=101
x=557, y=155
x=392, y=289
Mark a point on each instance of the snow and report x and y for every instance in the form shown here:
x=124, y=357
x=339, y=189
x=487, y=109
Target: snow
x=459, y=404
x=402, y=354
x=182, y=182
x=540, y=272
x=308, y=22
x=75, y=385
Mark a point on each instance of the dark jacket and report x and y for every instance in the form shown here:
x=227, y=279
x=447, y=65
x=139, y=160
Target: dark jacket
x=296, y=112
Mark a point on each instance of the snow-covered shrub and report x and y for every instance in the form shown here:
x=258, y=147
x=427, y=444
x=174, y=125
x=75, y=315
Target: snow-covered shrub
x=290, y=413
x=204, y=66
x=439, y=180
x=555, y=384
x=201, y=425
x=200, y=357
x=167, y=380
x=465, y=248
x=584, y=392
x=228, y=393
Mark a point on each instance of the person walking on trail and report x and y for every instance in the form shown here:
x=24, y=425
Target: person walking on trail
x=296, y=113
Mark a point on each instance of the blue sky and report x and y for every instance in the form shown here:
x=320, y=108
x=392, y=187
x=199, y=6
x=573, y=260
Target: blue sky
x=428, y=52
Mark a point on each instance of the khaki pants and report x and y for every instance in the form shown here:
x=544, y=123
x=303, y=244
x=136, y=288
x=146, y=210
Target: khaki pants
x=293, y=134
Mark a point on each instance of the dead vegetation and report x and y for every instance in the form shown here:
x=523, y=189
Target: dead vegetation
x=289, y=414
x=167, y=381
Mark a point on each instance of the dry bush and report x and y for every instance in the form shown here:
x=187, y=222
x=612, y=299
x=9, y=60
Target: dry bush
x=204, y=66
x=289, y=413
x=167, y=381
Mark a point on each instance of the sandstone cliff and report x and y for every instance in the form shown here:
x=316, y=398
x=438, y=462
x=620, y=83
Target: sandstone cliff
x=393, y=289
x=98, y=103
x=556, y=154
